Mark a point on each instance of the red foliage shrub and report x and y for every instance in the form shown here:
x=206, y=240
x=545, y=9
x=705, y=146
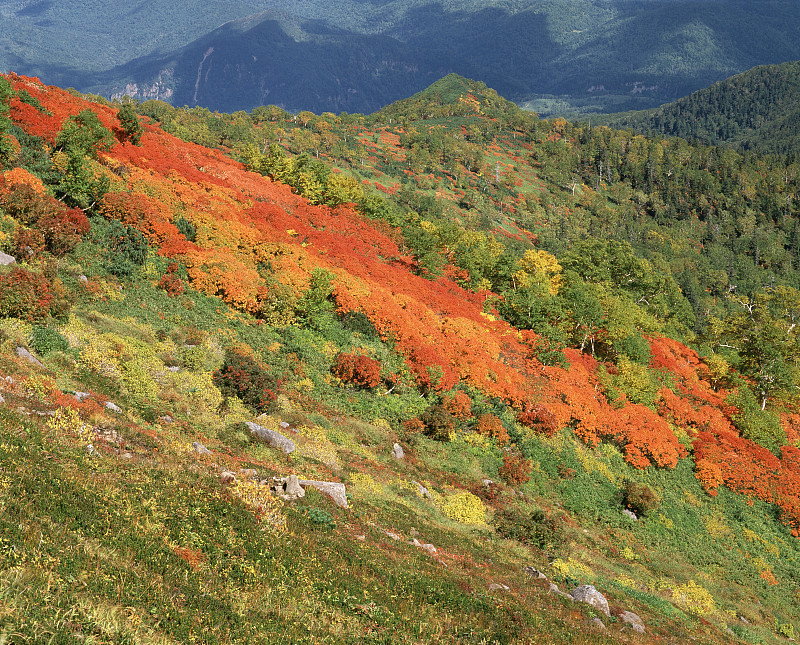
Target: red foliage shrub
x=171, y=282
x=515, y=469
x=357, y=369
x=25, y=294
x=541, y=418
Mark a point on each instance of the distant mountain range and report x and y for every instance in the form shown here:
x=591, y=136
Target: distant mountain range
x=759, y=108
x=358, y=55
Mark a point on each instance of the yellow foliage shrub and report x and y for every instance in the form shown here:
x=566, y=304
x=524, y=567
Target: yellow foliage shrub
x=693, y=598
x=365, y=484
x=464, y=507
x=573, y=568
x=66, y=421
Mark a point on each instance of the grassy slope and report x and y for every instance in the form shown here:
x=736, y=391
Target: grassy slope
x=137, y=540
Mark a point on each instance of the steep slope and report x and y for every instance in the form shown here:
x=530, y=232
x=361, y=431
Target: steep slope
x=754, y=110
x=196, y=296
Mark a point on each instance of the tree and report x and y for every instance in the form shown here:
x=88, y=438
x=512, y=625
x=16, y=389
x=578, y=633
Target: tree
x=129, y=122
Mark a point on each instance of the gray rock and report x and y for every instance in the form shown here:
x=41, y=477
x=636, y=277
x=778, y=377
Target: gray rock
x=248, y=474
x=24, y=353
x=200, y=449
x=415, y=542
x=113, y=407
x=495, y=586
x=487, y=482
x=336, y=491
x=83, y=278
x=126, y=456
x=397, y=451
x=292, y=488
x=430, y=549
x=274, y=439
x=166, y=419
x=80, y=397
x=392, y=534
x=422, y=490
x=2, y=400
x=630, y=514
x=534, y=573
x=227, y=477
x=590, y=595
x=6, y=259
x=636, y=623
x=90, y=449
x=173, y=368
x=598, y=624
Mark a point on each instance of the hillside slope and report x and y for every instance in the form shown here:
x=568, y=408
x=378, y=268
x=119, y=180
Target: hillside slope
x=757, y=109
x=195, y=296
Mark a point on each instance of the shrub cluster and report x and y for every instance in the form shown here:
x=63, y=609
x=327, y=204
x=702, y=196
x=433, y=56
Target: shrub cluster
x=244, y=377
x=515, y=469
x=357, y=369
x=171, y=282
x=533, y=528
x=491, y=426
x=29, y=295
x=638, y=498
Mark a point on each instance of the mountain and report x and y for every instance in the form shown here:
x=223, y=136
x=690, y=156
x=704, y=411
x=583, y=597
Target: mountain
x=759, y=109
x=496, y=294
x=357, y=56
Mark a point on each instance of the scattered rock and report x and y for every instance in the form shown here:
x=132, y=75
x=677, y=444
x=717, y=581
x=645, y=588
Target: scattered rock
x=80, y=397
x=336, y=491
x=274, y=439
x=361, y=538
x=397, y=451
x=248, y=473
x=126, y=455
x=292, y=488
x=227, y=477
x=590, y=595
x=598, y=624
x=2, y=400
x=495, y=586
x=744, y=620
x=6, y=259
x=83, y=278
x=415, y=542
x=422, y=490
x=166, y=419
x=534, y=573
x=173, y=368
x=90, y=449
x=110, y=436
x=200, y=449
x=392, y=534
x=113, y=407
x=24, y=353
x=630, y=514
x=553, y=588
x=430, y=549
x=636, y=623
x=487, y=482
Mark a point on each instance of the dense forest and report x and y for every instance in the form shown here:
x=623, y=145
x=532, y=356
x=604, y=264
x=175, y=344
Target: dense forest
x=554, y=323
x=755, y=110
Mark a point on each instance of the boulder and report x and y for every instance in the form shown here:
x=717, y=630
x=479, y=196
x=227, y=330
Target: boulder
x=200, y=449
x=598, y=624
x=227, y=477
x=397, y=451
x=430, y=548
x=590, y=595
x=630, y=514
x=248, y=474
x=422, y=490
x=113, y=407
x=274, y=439
x=495, y=586
x=80, y=397
x=6, y=259
x=534, y=573
x=336, y=491
x=636, y=623
x=24, y=353
x=166, y=419
x=292, y=489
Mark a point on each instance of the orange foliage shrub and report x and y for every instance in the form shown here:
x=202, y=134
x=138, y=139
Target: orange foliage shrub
x=357, y=369
x=491, y=426
x=459, y=405
x=515, y=469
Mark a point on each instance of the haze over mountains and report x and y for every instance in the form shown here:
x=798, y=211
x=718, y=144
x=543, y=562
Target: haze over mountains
x=356, y=56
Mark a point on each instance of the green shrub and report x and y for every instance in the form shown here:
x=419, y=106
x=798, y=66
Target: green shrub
x=126, y=249
x=44, y=340
x=638, y=498
x=533, y=528
x=438, y=423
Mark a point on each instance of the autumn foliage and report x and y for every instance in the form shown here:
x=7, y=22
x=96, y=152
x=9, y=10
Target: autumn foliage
x=357, y=369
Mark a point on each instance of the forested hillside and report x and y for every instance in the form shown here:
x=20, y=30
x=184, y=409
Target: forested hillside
x=501, y=353
x=357, y=56
x=756, y=110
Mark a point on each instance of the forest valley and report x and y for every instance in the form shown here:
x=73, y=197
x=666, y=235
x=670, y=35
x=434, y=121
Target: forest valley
x=590, y=318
